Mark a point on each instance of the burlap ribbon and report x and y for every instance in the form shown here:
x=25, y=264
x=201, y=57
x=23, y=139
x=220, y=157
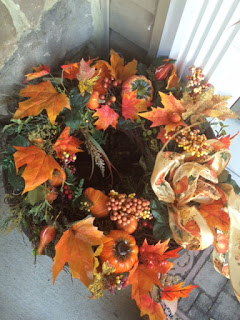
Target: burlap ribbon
x=199, y=207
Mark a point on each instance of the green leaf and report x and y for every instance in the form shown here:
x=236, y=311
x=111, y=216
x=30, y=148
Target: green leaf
x=75, y=118
x=142, y=69
x=224, y=176
x=71, y=179
x=161, y=231
x=159, y=61
x=223, y=132
x=15, y=180
x=36, y=195
x=19, y=141
x=127, y=124
x=159, y=211
x=235, y=186
x=79, y=190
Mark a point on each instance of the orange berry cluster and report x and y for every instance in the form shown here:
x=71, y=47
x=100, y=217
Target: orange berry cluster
x=195, y=82
x=125, y=209
x=193, y=142
x=109, y=83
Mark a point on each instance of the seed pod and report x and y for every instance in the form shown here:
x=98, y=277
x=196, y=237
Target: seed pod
x=162, y=71
x=47, y=235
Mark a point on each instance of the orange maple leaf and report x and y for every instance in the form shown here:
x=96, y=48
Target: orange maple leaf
x=142, y=279
x=131, y=106
x=40, y=166
x=215, y=215
x=75, y=248
x=42, y=96
x=170, y=115
x=154, y=256
x=106, y=117
x=223, y=143
x=153, y=309
x=40, y=71
x=117, y=68
x=173, y=79
x=66, y=143
x=70, y=71
x=176, y=291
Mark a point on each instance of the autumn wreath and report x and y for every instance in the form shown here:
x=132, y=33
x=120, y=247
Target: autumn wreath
x=109, y=161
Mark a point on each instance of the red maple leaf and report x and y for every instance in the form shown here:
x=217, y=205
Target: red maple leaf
x=131, y=106
x=106, y=117
x=170, y=115
x=70, y=71
x=176, y=291
x=66, y=143
x=40, y=71
x=154, y=256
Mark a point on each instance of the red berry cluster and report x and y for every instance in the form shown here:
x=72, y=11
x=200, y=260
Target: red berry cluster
x=67, y=192
x=151, y=259
x=125, y=209
x=195, y=82
x=147, y=224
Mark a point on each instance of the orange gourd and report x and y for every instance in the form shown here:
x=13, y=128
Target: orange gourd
x=120, y=250
x=99, y=200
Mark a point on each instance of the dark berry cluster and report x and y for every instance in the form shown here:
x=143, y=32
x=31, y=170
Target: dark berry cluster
x=119, y=283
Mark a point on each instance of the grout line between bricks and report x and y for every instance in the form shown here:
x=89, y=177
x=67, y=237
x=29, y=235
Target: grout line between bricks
x=182, y=315
x=198, y=264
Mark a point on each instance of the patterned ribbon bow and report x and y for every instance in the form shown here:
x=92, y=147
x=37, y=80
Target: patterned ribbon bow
x=201, y=210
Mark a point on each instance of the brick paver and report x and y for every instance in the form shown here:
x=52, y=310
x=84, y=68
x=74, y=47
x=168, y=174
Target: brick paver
x=214, y=298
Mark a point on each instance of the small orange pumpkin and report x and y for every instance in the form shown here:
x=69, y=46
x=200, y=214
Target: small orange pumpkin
x=130, y=227
x=57, y=179
x=120, y=250
x=99, y=200
x=141, y=84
